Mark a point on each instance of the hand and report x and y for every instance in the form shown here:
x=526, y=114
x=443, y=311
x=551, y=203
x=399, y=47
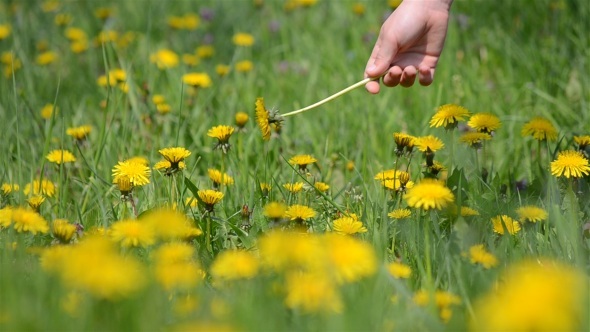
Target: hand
x=409, y=44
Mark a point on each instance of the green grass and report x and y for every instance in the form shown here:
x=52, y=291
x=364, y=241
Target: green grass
x=514, y=59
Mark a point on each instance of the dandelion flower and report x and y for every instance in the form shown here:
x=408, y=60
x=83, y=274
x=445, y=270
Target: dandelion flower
x=264, y=118
x=312, y=293
x=28, y=221
x=222, y=134
x=399, y=270
x=235, y=264
x=484, y=122
x=429, y=142
x=468, y=212
x=46, y=58
x=274, y=210
x=582, y=141
x=537, y=295
x=349, y=258
x=166, y=166
x=348, y=226
x=222, y=70
x=540, y=128
x=5, y=30
x=220, y=179
x=197, y=80
x=165, y=59
x=265, y=188
x=63, y=230
x=132, y=233
x=174, y=155
x=244, y=66
x=241, y=119
x=403, y=141
x=294, y=188
x=178, y=276
x=475, y=139
x=448, y=116
x=8, y=188
x=321, y=186
x=243, y=39
x=47, y=111
x=210, y=198
x=61, y=157
x=505, y=222
x=479, y=255
x=302, y=160
x=531, y=213
x=137, y=173
x=570, y=164
x=44, y=187
x=429, y=194
x=79, y=133
x=300, y=213
x=400, y=214
x=168, y=224
x=35, y=202
x=205, y=51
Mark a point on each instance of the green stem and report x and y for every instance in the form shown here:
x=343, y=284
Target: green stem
x=332, y=97
x=208, y=234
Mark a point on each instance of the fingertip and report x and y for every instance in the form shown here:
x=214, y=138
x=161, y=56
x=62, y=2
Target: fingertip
x=372, y=87
x=408, y=76
x=425, y=75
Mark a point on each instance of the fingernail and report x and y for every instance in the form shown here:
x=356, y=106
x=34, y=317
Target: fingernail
x=371, y=68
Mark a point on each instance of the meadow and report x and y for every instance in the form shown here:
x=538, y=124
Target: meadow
x=151, y=180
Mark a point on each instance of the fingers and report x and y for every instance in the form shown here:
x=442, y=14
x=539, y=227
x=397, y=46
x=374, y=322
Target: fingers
x=381, y=58
x=406, y=76
x=425, y=75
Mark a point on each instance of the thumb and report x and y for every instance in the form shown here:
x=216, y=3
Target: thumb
x=381, y=59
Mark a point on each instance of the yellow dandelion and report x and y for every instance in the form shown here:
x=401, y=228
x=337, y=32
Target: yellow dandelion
x=175, y=154
x=166, y=167
x=132, y=233
x=539, y=295
x=241, y=118
x=244, y=66
x=397, y=185
x=274, y=210
x=24, y=220
x=179, y=276
x=205, y=51
x=46, y=58
x=243, y=39
x=429, y=142
x=570, y=163
x=429, y=194
x=403, y=141
x=265, y=188
x=448, y=116
x=302, y=160
x=218, y=178
x=390, y=174
x=5, y=217
x=349, y=258
x=531, y=213
x=35, y=202
x=475, y=139
x=359, y=8
x=540, y=128
x=400, y=214
x=210, y=198
x=348, y=226
x=263, y=119
x=468, y=212
x=484, y=122
x=75, y=34
x=158, y=99
x=47, y=111
x=222, y=134
x=582, y=141
x=234, y=265
x=399, y=270
x=197, y=80
x=191, y=59
x=137, y=173
x=294, y=188
x=63, y=230
x=169, y=224
x=479, y=255
x=321, y=186
x=503, y=222
x=222, y=70
x=79, y=133
x=8, y=188
x=300, y=212
x=5, y=30
x=312, y=293
x=165, y=59
x=60, y=157
x=44, y=187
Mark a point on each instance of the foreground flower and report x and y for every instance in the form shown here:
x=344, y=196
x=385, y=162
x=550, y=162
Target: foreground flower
x=479, y=255
x=500, y=223
x=349, y=259
x=442, y=299
x=426, y=143
x=531, y=213
x=400, y=214
x=429, y=194
x=302, y=160
x=539, y=295
x=348, y=226
x=275, y=210
x=312, y=293
x=79, y=133
x=222, y=134
x=168, y=224
x=136, y=172
x=399, y=270
x=448, y=116
x=197, y=80
x=540, y=128
x=300, y=213
x=210, y=198
x=570, y=164
x=484, y=122
x=61, y=157
x=175, y=267
x=235, y=264
x=24, y=220
x=132, y=233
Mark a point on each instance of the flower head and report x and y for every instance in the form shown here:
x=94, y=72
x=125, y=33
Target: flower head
x=426, y=143
x=399, y=270
x=312, y=292
x=35, y=202
x=165, y=58
x=220, y=179
x=275, y=210
x=175, y=156
x=63, y=230
x=448, y=116
x=348, y=226
x=210, y=198
x=241, y=119
x=243, y=39
x=479, y=255
x=429, y=194
x=8, y=188
x=28, y=221
x=168, y=224
x=531, y=213
x=403, y=141
x=302, y=160
x=484, y=122
x=504, y=222
x=264, y=118
x=475, y=139
x=235, y=264
x=349, y=259
x=166, y=167
x=294, y=188
x=44, y=187
x=300, y=213
x=61, y=157
x=197, y=80
x=321, y=186
x=132, y=233
x=400, y=214
x=540, y=128
x=222, y=134
x=136, y=172
x=570, y=163
x=468, y=212
x=582, y=141
x=79, y=133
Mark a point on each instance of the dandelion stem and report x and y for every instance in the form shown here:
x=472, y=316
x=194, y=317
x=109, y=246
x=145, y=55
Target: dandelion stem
x=334, y=96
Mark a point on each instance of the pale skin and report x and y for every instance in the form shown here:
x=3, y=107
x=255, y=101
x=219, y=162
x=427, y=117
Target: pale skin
x=409, y=44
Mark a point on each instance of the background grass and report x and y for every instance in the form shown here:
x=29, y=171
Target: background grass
x=515, y=59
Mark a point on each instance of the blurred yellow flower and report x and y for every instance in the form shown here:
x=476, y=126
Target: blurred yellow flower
x=197, y=80
x=62, y=19
x=219, y=178
x=79, y=133
x=35, y=202
x=540, y=128
x=164, y=59
x=475, y=139
x=8, y=188
x=222, y=70
x=531, y=213
x=205, y=51
x=103, y=13
x=448, y=116
x=502, y=222
x=47, y=111
x=468, y=212
x=5, y=30
x=44, y=187
x=442, y=299
x=169, y=224
x=302, y=160
x=570, y=163
x=5, y=217
x=582, y=141
x=539, y=295
x=234, y=265
x=400, y=214
x=484, y=122
x=243, y=39
x=132, y=233
x=241, y=119
x=399, y=270
x=189, y=21
x=479, y=255
x=63, y=230
x=60, y=157
x=348, y=226
x=312, y=293
x=46, y=58
x=274, y=210
x=262, y=118
x=244, y=66
x=429, y=194
x=75, y=34
x=24, y=220
x=359, y=8
x=321, y=186
x=294, y=188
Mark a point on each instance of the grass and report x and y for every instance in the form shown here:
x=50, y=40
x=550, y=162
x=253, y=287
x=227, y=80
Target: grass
x=516, y=60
